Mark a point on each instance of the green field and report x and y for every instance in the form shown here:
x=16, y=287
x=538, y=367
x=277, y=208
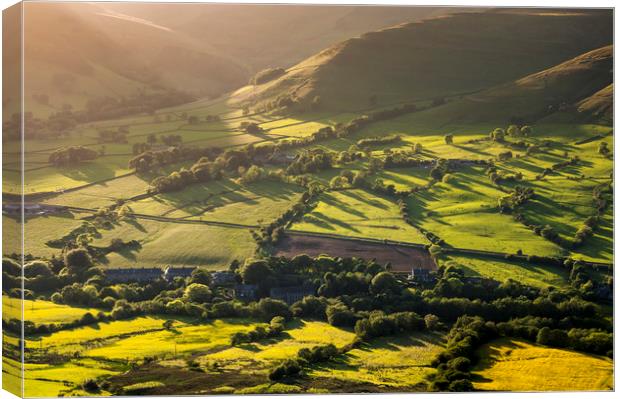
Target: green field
x=534, y=275
x=358, y=213
x=398, y=362
x=512, y=365
x=165, y=243
x=37, y=231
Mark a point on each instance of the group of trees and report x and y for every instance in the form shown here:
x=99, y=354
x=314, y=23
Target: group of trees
x=100, y=108
x=276, y=326
x=380, y=140
x=118, y=136
x=305, y=357
x=72, y=155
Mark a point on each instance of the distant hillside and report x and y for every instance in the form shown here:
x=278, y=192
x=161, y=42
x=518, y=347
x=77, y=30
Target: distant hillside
x=438, y=57
x=579, y=89
x=78, y=51
x=259, y=36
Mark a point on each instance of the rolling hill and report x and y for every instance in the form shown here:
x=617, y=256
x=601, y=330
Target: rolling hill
x=579, y=89
x=76, y=52
x=438, y=57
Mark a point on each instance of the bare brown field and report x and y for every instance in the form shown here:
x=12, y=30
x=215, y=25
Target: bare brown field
x=402, y=258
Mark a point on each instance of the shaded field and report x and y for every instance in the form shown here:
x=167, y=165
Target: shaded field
x=401, y=258
x=514, y=365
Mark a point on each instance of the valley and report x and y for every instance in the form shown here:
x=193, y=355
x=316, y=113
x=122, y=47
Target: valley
x=371, y=219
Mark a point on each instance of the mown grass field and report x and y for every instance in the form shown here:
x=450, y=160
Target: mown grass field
x=513, y=365
x=358, y=213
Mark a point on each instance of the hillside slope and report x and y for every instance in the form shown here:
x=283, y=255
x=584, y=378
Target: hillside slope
x=77, y=52
x=438, y=57
x=578, y=89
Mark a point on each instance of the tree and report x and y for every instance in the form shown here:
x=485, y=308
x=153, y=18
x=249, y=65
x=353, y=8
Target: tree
x=198, y=293
x=526, y=130
x=497, y=135
x=37, y=268
x=544, y=336
x=255, y=271
x=384, y=283
x=200, y=276
x=168, y=324
x=78, y=260
x=151, y=139
x=603, y=149
x=449, y=138
x=513, y=130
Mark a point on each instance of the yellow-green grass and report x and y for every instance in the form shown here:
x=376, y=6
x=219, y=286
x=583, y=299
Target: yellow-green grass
x=399, y=361
x=404, y=179
x=41, y=312
x=170, y=243
x=60, y=178
x=182, y=340
x=261, y=355
x=12, y=376
x=464, y=213
x=47, y=380
x=37, y=231
x=82, y=338
x=539, y=276
x=103, y=194
x=514, y=365
x=224, y=200
x=358, y=213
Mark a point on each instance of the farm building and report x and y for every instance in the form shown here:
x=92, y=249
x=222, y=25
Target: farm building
x=421, y=275
x=172, y=272
x=291, y=294
x=246, y=292
x=143, y=274
x=222, y=278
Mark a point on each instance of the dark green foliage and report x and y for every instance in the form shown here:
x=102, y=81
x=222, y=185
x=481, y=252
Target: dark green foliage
x=72, y=155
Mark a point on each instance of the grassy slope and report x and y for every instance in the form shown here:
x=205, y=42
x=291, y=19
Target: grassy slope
x=513, y=365
x=530, y=98
x=398, y=63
